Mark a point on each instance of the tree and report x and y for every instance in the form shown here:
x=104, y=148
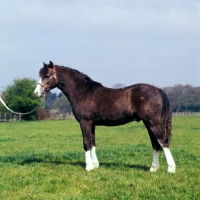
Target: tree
x=60, y=94
x=195, y=100
x=119, y=85
x=184, y=98
x=62, y=105
x=52, y=97
x=20, y=98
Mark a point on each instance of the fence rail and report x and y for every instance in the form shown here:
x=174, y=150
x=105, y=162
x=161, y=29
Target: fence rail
x=62, y=116
x=186, y=114
x=7, y=117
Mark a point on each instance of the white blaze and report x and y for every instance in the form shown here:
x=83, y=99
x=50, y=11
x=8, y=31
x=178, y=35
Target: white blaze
x=39, y=89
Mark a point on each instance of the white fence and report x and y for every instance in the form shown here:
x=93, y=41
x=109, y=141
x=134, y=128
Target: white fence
x=7, y=117
x=186, y=114
x=62, y=116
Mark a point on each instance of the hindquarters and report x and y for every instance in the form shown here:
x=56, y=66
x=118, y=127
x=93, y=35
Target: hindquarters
x=153, y=108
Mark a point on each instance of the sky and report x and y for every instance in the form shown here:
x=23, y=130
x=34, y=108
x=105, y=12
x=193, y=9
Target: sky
x=115, y=41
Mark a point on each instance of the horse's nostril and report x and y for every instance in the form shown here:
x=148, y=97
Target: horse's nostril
x=37, y=94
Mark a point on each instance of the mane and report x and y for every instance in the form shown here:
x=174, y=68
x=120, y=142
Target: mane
x=84, y=77
x=73, y=72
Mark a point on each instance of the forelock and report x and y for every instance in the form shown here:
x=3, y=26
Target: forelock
x=43, y=71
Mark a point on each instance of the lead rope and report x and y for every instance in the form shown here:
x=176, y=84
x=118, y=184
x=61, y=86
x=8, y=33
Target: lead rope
x=22, y=113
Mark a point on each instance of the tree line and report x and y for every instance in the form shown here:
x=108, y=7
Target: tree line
x=183, y=98
x=20, y=98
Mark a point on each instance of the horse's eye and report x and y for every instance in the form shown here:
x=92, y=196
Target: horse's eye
x=47, y=76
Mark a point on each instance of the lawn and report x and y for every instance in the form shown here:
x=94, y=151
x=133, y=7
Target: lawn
x=45, y=160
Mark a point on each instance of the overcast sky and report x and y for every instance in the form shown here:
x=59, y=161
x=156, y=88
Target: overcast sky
x=115, y=41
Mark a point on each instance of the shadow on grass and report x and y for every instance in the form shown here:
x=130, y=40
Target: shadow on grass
x=122, y=165
x=31, y=160
x=48, y=160
x=39, y=160
x=113, y=165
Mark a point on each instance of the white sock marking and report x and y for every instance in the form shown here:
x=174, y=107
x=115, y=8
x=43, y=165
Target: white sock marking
x=170, y=161
x=94, y=157
x=91, y=159
x=155, y=162
x=88, y=161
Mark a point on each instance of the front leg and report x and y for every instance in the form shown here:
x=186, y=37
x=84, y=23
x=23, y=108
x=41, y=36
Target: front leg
x=94, y=157
x=88, y=131
x=88, y=161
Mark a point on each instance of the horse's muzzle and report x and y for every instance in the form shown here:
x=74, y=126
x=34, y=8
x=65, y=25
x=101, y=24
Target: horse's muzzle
x=37, y=94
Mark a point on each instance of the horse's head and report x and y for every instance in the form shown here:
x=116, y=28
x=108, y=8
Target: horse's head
x=48, y=79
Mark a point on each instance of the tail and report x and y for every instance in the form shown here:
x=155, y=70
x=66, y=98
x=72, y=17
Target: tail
x=166, y=118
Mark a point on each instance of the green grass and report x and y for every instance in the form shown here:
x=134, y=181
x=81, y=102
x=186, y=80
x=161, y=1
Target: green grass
x=45, y=160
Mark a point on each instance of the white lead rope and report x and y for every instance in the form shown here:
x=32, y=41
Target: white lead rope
x=21, y=113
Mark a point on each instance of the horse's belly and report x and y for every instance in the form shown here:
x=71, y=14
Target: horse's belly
x=115, y=118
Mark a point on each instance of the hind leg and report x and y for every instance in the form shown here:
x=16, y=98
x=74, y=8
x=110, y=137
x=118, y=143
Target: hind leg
x=155, y=162
x=156, y=152
x=164, y=142
x=169, y=158
x=160, y=141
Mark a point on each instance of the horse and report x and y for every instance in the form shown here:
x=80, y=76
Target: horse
x=94, y=104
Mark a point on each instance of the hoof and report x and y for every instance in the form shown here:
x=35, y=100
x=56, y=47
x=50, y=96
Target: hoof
x=96, y=165
x=153, y=168
x=171, y=169
x=89, y=168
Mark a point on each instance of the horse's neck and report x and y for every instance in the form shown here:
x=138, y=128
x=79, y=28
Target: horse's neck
x=67, y=83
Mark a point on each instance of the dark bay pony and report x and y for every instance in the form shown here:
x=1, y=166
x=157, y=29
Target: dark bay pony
x=94, y=104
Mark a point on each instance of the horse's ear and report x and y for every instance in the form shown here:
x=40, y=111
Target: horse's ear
x=44, y=64
x=51, y=64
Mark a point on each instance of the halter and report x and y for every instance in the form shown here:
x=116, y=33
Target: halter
x=53, y=77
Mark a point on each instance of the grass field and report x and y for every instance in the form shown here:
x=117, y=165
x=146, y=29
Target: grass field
x=45, y=160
